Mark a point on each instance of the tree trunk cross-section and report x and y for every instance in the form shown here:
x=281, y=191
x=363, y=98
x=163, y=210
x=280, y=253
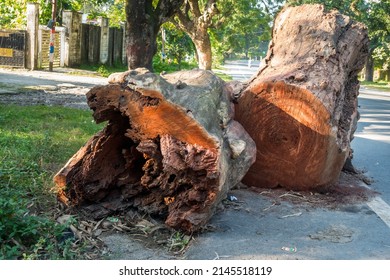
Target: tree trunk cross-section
x=170, y=149
x=301, y=107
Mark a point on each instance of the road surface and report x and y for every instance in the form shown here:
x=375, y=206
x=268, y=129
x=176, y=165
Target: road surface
x=240, y=70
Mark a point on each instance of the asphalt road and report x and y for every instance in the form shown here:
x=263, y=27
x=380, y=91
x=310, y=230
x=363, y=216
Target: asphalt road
x=240, y=70
x=372, y=139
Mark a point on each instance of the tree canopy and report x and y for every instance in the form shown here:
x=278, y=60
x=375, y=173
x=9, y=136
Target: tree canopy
x=245, y=29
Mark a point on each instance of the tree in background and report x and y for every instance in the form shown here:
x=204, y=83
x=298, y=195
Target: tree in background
x=375, y=15
x=144, y=18
x=226, y=26
x=116, y=13
x=13, y=12
x=195, y=17
x=246, y=30
x=177, y=44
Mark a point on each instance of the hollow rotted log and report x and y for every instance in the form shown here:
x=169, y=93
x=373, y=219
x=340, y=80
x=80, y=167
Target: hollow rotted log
x=301, y=106
x=170, y=149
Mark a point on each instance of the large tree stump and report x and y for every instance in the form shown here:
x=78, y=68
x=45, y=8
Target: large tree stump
x=301, y=107
x=170, y=148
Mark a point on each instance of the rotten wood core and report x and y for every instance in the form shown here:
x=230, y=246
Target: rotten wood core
x=301, y=106
x=170, y=149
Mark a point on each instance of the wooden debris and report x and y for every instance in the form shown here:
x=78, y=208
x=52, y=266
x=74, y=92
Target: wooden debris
x=170, y=148
x=301, y=107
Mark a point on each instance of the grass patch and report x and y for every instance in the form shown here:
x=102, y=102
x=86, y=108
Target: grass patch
x=380, y=85
x=223, y=76
x=35, y=142
x=101, y=70
x=158, y=67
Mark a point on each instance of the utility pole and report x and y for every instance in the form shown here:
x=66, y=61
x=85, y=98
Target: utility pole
x=52, y=25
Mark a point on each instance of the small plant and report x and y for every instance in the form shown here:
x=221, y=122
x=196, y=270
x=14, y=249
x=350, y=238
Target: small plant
x=102, y=70
x=27, y=236
x=178, y=242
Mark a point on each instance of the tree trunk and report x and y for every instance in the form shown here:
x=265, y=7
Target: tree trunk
x=141, y=48
x=170, y=149
x=301, y=108
x=369, y=68
x=246, y=46
x=143, y=23
x=195, y=23
x=142, y=30
x=203, y=49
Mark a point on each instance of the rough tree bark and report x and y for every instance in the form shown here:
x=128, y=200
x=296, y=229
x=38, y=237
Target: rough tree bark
x=143, y=23
x=170, y=148
x=195, y=23
x=301, y=107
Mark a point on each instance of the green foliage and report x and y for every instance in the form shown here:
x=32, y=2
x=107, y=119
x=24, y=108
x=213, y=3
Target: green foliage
x=24, y=235
x=165, y=66
x=103, y=71
x=222, y=75
x=116, y=13
x=244, y=30
x=35, y=142
x=382, y=56
x=177, y=44
x=13, y=14
x=100, y=69
x=178, y=242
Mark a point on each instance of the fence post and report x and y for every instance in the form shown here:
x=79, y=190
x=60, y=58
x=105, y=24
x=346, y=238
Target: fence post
x=32, y=36
x=104, y=39
x=72, y=21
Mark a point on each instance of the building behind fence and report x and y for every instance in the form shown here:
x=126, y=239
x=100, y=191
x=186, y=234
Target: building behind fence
x=76, y=43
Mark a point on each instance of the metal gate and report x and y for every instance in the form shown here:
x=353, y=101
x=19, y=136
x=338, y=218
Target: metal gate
x=12, y=48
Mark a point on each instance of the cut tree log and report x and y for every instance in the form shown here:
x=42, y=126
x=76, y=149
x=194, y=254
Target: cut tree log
x=171, y=148
x=301, y=106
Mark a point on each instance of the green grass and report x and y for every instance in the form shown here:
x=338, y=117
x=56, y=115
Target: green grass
x=158, y=67
x=35, y=142
x=101, y=70
x=223, y=76
x=380, y=85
